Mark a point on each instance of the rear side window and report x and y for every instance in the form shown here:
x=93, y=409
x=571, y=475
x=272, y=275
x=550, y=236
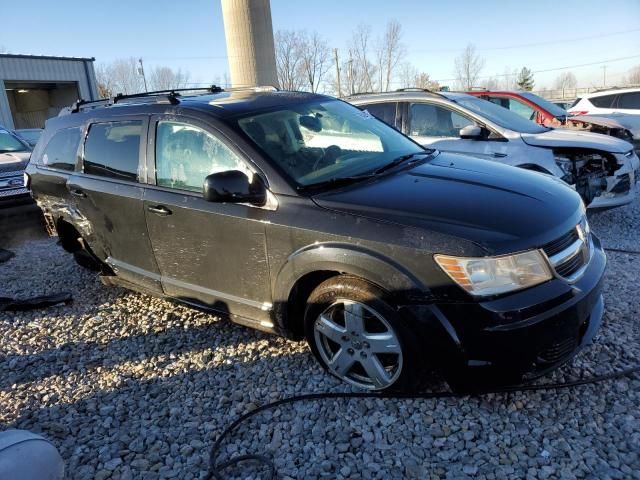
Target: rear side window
x=112, y=150
x=434, y=121
x=62, y=150
x=629, y=100
x=383, y=111
x=605, y=101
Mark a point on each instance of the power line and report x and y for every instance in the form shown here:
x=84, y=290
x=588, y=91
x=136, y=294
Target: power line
x=536, y=44
x=549, y=69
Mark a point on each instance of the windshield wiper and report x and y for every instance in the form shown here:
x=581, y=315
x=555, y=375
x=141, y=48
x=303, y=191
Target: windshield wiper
x=336, y=181
x=397, y=161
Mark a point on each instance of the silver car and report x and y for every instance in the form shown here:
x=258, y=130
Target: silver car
x=603, y=169
x=14, y=156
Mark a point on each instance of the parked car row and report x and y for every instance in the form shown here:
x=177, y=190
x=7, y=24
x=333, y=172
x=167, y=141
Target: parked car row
x=604, y=170
x=302, y=215
x=622, y=124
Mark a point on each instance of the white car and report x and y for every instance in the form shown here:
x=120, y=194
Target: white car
x=603, y=169
x=624, y=100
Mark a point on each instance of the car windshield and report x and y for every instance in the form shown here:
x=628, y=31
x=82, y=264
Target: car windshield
x=326, y=140
x=552, y=108
x=500, y=116
x=30, y=135
x=9, y=143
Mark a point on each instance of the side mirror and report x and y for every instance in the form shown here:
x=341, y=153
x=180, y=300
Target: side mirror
x=471, y=132
x=233, y=187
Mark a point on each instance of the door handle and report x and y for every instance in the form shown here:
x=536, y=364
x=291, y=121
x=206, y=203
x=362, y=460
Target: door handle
x=76, y=192
x=499, y=155
x=160, y=210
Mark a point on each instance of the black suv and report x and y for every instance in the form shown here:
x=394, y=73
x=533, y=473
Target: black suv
x=299, y=214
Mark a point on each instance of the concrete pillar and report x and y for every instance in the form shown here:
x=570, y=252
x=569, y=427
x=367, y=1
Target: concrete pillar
x=249, y=35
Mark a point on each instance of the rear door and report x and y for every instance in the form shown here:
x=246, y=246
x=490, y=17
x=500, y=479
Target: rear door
x=213, y=254
x=108, y=194
x=438, y=126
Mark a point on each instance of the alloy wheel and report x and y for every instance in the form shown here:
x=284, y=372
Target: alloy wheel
x=358, y=345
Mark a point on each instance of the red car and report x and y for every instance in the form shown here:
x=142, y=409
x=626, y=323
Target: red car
x=544, y=112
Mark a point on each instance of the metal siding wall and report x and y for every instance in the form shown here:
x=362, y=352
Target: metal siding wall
x=5, y=111
x=44, y=70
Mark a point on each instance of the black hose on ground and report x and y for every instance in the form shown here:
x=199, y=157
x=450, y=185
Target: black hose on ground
x=216, y=468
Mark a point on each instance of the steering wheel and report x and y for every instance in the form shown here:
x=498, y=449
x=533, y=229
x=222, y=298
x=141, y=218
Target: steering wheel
x=330, y=155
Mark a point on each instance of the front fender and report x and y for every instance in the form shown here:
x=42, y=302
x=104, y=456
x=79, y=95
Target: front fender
x=349, y=259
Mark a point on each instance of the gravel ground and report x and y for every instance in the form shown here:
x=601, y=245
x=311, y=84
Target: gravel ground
x=129, y=386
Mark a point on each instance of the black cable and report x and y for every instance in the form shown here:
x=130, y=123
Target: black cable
x=622, y=250
x=216, y=469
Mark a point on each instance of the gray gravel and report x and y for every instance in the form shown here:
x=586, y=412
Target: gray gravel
x=129, y=386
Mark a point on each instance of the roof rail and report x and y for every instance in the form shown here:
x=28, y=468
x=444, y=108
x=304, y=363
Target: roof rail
x=157, y=96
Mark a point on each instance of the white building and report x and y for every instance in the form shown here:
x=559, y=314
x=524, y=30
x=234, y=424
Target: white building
x=34, y=88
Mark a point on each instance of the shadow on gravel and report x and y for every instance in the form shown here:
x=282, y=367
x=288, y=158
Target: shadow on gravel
x=79, y=356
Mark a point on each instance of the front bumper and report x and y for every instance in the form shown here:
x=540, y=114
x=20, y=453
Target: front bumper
x=621, y=187
x=515, y=337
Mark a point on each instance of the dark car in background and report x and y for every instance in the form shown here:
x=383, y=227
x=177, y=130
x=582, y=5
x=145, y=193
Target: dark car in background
x=301, y=215
x=14, y=156
x=29, y=135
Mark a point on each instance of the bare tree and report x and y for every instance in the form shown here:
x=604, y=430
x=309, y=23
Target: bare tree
x=509, y=78
x=633, y=76
x=104, y=81
x=468, y=67
x=315, y=56
x=361, y=71
x=289, y=59
x=565, y=80
x=122, y=76
x=490, y=83
x=410, y=77
x=389, y=54
x=165, y=78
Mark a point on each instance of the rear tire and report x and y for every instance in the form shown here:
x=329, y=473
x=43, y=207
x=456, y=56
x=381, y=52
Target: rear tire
x=356, y=334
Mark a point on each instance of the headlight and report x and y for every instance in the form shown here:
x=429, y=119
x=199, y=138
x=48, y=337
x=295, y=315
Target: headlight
x=565, y=164
x=494, y=275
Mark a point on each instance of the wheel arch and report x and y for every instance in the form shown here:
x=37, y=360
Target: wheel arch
x=309, y=267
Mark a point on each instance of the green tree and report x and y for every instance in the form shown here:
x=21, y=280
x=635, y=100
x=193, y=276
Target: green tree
x=525, y=79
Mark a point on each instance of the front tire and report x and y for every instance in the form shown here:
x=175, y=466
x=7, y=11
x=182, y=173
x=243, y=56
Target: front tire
x=356, y=335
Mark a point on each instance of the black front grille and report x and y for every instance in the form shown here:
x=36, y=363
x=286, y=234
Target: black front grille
x=561, y=243
x=558, y=351
x=571, y=266
x=623, y=185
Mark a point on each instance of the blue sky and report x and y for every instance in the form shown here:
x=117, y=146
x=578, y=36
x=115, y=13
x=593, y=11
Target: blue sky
x=189, y=34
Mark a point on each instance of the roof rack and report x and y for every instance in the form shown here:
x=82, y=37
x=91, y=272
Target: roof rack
x=171, y=96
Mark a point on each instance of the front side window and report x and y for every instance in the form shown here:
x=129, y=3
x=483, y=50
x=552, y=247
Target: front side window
x=629, y=100
x=9, y=143
x=434, y=121
x=324, y=141
x=62, y=150
x=522, y=109
x=112, y=150
x=186, y=155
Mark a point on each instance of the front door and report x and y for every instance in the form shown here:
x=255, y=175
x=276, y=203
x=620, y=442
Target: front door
x=208, y=253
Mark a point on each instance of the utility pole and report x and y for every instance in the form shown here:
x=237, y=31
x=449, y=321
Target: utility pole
x=335, y=55
x=144, y=78
x=350, y=72
x=604, y=75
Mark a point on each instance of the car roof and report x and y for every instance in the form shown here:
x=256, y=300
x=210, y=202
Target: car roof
x=610, y=91
x=404, y=95
x=223, y=104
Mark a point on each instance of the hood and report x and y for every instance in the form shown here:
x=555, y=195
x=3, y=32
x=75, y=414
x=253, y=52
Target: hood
x=625, y=120
x=558, y=137
x=500, y=208
x=13, y=161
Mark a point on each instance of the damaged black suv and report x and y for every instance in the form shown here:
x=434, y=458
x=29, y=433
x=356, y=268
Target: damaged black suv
x=299, y=214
